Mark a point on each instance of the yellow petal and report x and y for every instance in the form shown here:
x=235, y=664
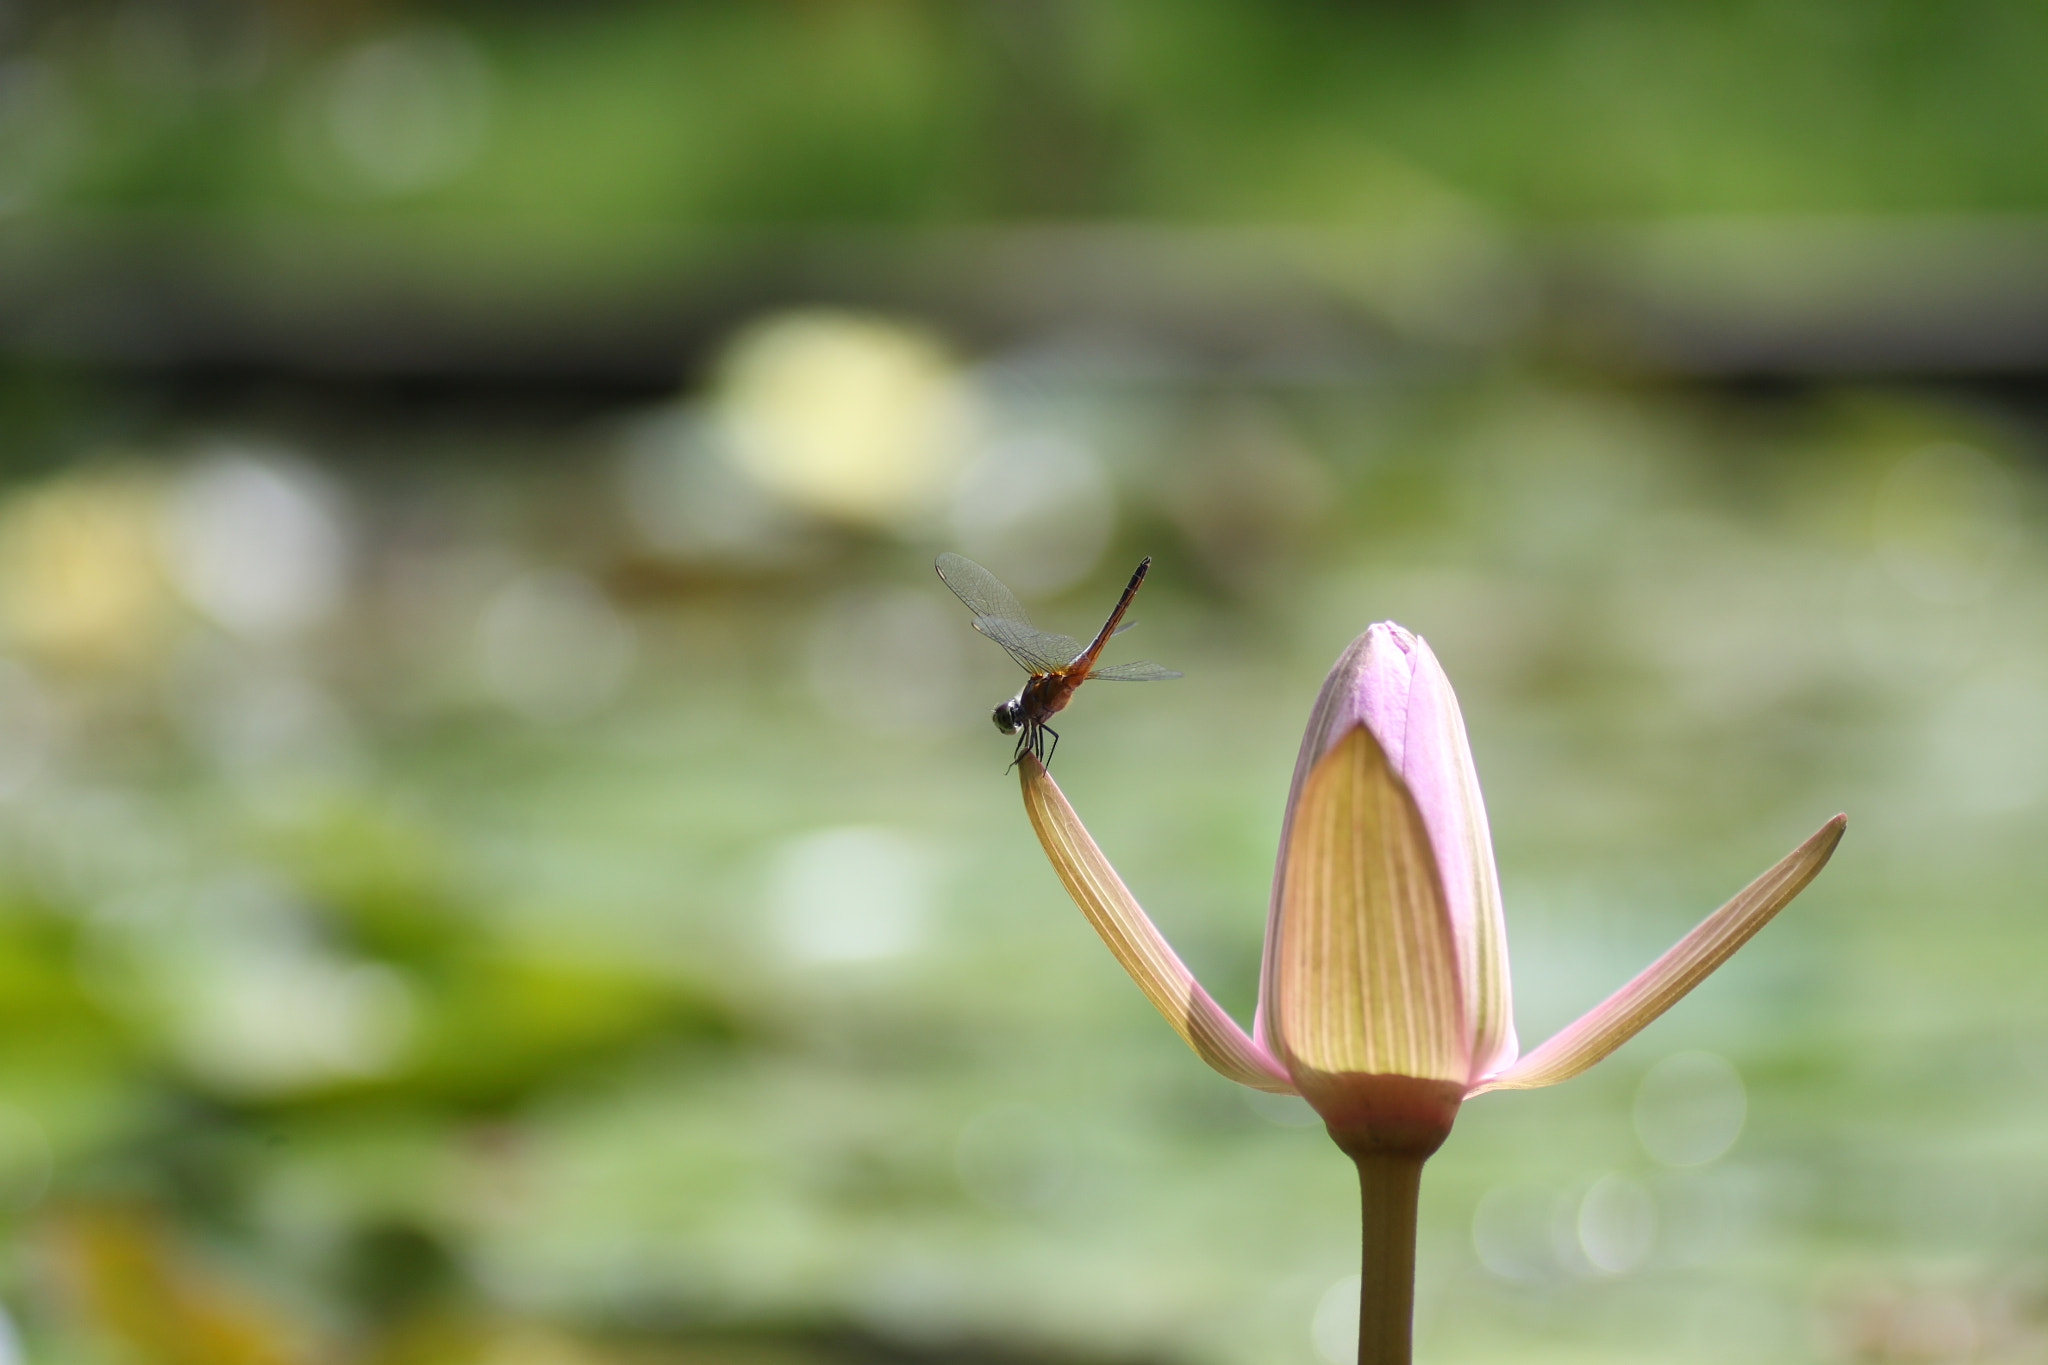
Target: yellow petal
x=1366, y=979
x=1137, y=944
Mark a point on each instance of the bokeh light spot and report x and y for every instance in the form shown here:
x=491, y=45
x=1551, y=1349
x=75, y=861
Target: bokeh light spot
x=1617, y=1224
x=255, y=540
x=400, y=114
x=857, y=419
x=81, y=580
x=853, y=894
x=1690, y=1108
x=1333, y=1329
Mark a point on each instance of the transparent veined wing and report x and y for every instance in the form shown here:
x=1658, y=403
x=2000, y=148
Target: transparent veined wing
x=1000, y=616
x=1140, y=671
x=1039, y=651
x=981, y=590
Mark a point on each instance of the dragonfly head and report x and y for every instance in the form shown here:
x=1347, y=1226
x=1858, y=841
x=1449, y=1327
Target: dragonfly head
x=1009, y=716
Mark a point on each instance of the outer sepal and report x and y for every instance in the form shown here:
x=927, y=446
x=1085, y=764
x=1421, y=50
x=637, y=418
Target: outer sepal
x=1137, y=943
x=1665, y=982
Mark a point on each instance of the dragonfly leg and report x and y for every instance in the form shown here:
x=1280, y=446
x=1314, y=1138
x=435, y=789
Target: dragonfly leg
x=1046, y=757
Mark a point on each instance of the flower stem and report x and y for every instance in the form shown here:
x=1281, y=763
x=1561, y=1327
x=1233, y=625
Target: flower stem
x=1389, y=1184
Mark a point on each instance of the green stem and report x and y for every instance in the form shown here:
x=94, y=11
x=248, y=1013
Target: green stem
x=1389, y=1183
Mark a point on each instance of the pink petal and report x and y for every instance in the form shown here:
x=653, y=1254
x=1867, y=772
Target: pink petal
x=1664, y=982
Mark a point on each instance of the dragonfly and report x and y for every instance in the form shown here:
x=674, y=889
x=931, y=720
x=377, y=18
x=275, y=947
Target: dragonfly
x=1058, y=664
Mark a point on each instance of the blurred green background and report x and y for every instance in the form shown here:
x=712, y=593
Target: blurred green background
x=503, y=858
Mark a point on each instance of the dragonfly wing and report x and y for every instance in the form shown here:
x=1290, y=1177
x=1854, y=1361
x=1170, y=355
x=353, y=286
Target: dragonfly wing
x=981, y=590
x=1039, y=651
x=1134, y=672
x=999, y=615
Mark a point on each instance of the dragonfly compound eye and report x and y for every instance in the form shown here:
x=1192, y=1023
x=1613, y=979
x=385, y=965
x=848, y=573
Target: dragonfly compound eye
x=1008, y=717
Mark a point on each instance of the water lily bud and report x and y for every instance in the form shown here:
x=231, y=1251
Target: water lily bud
x=1385, y=989
x=1384, y=995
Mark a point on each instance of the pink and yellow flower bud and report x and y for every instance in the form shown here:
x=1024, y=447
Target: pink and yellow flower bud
x=1384, y=997
x=1385, y=988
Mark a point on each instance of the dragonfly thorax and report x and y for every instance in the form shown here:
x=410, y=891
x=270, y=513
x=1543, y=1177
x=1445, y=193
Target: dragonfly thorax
x=1009, y=716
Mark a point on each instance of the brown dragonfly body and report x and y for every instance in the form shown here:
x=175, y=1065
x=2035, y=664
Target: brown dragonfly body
x=1058, y=664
